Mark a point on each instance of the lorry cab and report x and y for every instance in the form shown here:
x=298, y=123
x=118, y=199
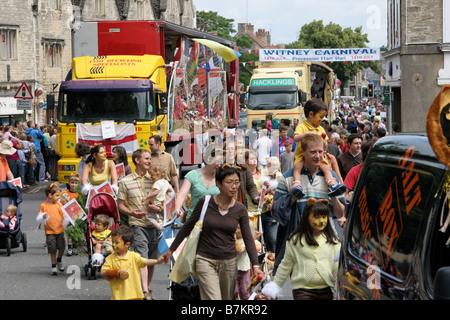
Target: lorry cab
x=394, y=246
x=283, y=87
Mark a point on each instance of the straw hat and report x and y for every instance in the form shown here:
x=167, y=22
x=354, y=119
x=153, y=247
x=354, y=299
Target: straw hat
x=6, y=147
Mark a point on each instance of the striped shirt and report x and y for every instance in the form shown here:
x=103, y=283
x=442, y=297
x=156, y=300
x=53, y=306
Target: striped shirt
x=132, y=189
x=313, y=187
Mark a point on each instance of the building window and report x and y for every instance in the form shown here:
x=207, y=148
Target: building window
x=100, y=7
x=8, y=44
x=53, y=54
x=56, y=4
x=394, y=24
x=140, y=10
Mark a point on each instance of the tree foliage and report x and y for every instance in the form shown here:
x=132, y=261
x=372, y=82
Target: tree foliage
x=216, y=23
x=318, y=35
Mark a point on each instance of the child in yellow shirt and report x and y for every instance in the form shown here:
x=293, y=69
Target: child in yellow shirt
x=101, y=239
x=315, y=111
x=121, y=268
x=51, y=216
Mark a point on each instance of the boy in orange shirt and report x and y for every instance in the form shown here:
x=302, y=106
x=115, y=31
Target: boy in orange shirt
x=315, y=111
x=51, y=215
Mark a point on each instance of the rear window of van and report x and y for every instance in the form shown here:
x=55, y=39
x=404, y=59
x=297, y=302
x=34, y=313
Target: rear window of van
x=390, y=208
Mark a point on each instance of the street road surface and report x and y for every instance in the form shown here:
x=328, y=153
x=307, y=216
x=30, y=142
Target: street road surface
x=26, y=275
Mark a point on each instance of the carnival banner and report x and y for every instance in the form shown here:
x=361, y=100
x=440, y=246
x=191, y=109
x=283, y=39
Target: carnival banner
x=320, y=55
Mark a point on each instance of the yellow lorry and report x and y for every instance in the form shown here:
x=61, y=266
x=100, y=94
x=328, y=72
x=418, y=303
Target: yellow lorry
x=127, y=91
x=282, y=87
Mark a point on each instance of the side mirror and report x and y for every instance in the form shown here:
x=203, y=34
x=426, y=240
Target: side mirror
x=442, y=284
x=302, y=97
x=162, y=101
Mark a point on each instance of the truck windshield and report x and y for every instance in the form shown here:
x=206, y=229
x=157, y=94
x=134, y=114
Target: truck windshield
x=93, y=106
x=269, y=100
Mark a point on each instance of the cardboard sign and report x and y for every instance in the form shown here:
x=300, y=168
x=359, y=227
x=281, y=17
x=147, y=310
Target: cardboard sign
x=169, y=210
x=108, y=129
x=16, y=182
x=73, y=211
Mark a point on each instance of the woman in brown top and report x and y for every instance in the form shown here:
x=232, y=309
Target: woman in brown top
x=216, y=252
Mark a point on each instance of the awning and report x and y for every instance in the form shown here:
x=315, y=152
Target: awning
x=225, y=52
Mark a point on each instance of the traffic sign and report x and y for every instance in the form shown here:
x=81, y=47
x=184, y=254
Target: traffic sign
x=23, y=104
x=387, y=95
x=23, y=92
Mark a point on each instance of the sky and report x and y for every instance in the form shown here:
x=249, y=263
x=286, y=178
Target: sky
x=285, y=18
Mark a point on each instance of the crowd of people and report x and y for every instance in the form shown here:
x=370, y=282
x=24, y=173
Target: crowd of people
x=247, y=186
x=32, y=149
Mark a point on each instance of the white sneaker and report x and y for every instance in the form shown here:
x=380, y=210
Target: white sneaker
x=54, y=271
x=60, y=266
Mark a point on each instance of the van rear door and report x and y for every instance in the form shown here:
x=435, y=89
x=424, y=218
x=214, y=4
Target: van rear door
x=388, y=219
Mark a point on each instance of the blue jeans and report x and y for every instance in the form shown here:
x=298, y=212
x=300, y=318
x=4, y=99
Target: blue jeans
x=21, y=165
x=29, y=173
x=270, y=227
x=39, y=161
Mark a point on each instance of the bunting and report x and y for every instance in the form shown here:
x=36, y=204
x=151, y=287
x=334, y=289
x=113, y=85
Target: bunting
x=191, y=67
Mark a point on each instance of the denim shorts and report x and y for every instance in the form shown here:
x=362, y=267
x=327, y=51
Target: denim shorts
x=146, y=242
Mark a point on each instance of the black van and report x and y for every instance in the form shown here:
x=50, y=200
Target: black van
x=392, y=246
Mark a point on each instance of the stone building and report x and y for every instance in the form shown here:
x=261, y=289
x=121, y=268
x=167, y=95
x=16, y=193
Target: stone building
x=261, y=38
x=35, y=42
x=417, y=60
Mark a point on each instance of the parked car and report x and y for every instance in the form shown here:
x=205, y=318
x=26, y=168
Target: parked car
x=393, y=247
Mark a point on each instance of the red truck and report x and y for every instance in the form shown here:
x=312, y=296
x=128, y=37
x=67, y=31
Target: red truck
x=202, y=87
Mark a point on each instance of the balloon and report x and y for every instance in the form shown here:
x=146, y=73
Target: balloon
x=39, y=91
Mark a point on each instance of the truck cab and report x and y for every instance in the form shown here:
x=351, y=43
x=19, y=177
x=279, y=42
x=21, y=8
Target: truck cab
x=127, y=90
x=282, y=88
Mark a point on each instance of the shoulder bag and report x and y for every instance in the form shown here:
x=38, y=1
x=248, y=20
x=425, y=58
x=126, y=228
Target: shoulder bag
x=185, y=262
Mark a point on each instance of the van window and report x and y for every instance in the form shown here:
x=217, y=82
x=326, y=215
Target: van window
x=388, y=215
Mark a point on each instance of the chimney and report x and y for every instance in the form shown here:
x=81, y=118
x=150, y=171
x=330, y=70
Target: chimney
x=241, y=28
x=250, y=27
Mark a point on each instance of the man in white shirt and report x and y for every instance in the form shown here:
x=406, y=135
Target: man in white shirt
x=262, y=147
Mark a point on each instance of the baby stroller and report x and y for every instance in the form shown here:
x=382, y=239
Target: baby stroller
x=189, y=288
x=101, y=203
x=256, y=285
x=11, y=194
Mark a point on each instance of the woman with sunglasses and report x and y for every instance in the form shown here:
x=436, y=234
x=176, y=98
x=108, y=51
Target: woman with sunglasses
x=216, y=257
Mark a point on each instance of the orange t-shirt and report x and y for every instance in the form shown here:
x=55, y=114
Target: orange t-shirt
x=55, y=215
x=71, y=194
x=4, y=169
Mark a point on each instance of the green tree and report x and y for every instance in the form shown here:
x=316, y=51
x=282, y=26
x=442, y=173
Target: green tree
x=216, y=23
x=246, y=71
x=316, y=35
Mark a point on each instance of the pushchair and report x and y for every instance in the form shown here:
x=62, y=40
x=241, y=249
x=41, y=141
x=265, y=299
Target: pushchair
x=101, y=203
x=189, y=288
x=256, y=285
x=11, y=194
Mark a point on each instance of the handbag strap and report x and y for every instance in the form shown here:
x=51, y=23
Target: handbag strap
x=205, y=206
